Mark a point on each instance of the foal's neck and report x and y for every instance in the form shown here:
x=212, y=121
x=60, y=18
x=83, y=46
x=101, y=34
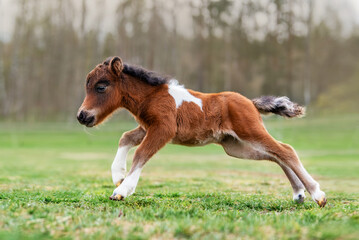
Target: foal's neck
x=135, y=93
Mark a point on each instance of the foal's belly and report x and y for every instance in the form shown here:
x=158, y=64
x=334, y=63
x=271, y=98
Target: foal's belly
x=193, y=138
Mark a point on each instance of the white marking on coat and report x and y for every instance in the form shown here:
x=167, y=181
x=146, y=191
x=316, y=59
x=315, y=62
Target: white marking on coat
x=180, y=94
x=298, y=188
x=317, y=194
x=128, y=186
x=118, y=167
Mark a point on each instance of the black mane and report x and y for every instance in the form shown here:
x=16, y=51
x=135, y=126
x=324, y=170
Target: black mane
x=147, y=76
x=150, y=77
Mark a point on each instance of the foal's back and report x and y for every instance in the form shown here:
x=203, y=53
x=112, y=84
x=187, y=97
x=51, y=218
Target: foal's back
x=213, y=119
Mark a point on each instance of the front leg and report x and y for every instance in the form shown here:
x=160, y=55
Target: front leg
x=155, y=139
x=128, y=140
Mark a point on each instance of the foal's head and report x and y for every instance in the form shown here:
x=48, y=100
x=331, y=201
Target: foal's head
x=102, y=92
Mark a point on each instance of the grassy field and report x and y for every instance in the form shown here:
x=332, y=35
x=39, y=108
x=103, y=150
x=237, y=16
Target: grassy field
x=55, y=182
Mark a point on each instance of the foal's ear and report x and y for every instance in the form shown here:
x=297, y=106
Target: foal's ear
x=116, y=65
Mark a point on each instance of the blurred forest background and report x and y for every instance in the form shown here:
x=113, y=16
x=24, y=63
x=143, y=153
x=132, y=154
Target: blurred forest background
x=276, y=47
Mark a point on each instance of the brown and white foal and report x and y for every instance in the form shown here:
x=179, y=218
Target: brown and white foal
x=168, y=113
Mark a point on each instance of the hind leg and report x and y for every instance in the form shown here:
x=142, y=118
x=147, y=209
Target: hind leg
x=248, y=126
x=287, y=156
x=238, y=149
x=284, y=155
x=297, y=185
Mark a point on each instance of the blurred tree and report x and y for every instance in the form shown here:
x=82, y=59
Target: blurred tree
x=253, y=47
x=340, y=97
x=308, y=76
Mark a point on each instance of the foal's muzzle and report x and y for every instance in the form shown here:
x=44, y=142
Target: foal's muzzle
x=86, y=118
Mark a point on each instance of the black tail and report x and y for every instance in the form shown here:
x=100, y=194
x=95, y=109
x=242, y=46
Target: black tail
x=278, y=105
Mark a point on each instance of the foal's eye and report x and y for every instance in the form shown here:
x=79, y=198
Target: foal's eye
x=101, y=88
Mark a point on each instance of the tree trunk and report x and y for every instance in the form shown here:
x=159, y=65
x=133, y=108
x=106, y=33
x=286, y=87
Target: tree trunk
x=307, y=79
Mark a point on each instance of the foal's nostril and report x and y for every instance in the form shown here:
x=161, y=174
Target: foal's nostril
x=81, y=117
x=90, y=120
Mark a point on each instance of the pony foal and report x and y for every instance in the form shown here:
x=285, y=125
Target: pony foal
x=167, y=112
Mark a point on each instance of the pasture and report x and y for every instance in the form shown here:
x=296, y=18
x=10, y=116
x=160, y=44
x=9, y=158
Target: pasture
x=55, y=181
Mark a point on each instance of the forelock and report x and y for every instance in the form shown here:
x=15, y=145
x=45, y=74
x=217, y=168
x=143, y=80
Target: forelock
x=96, y=73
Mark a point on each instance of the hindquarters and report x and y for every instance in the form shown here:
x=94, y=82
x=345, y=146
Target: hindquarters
x=252, y=141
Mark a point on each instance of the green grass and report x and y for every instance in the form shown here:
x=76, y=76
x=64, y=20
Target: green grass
x=55, y=182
